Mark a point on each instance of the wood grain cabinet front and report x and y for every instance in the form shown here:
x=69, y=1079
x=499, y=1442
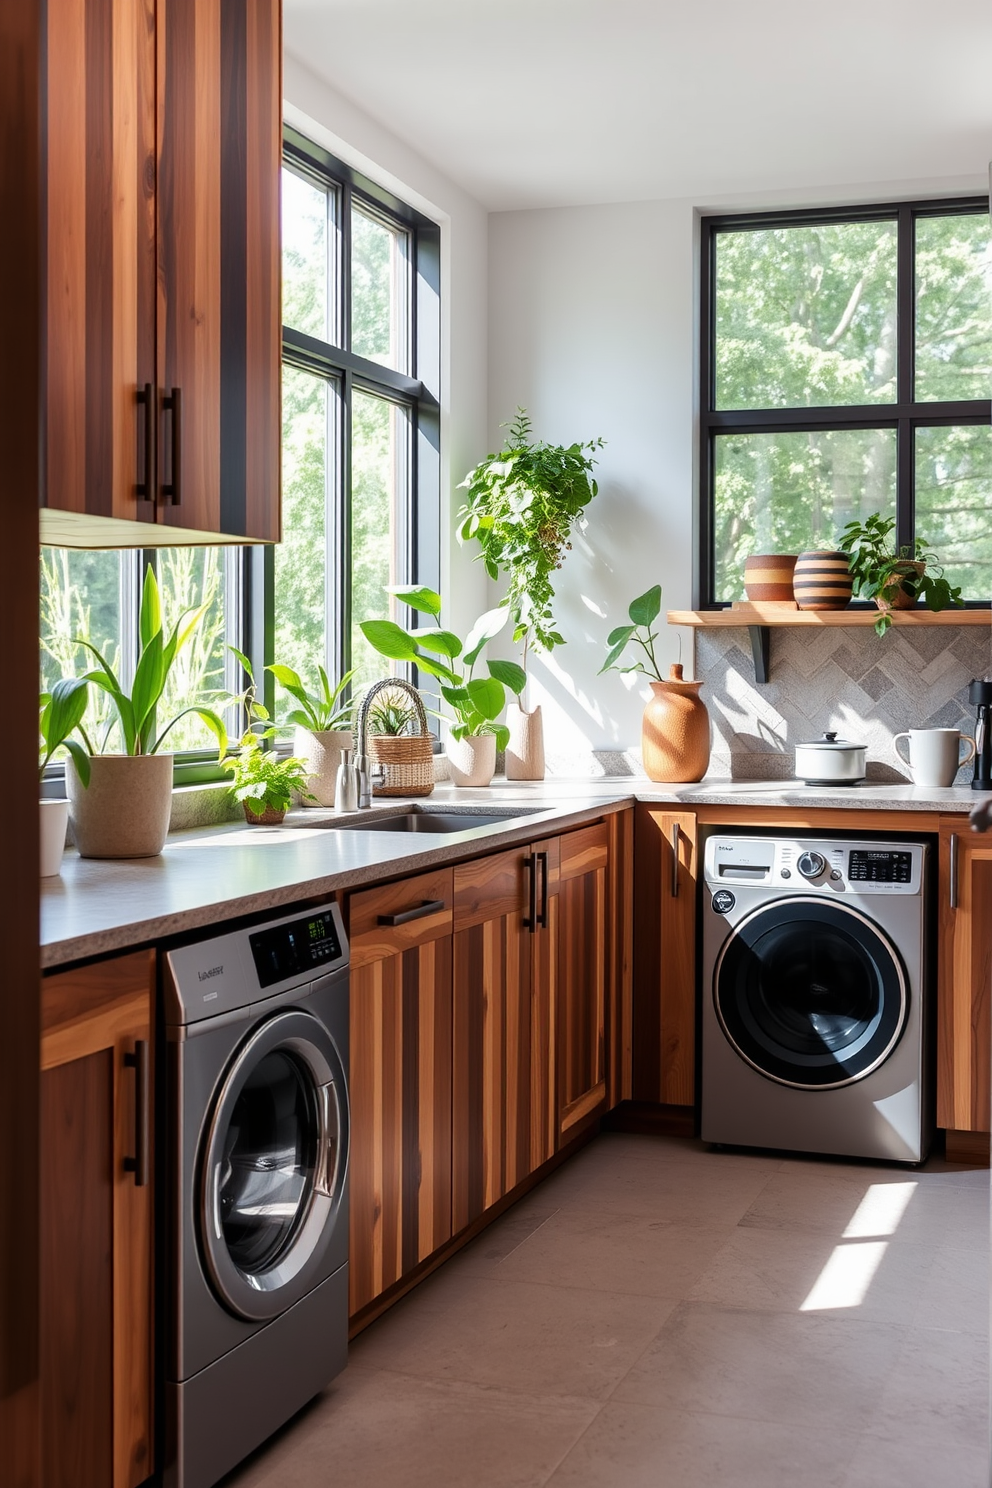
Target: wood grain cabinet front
x=964, y=984
x=582, y=976
x=664, y=1020
x=399, y=1080
x=96, y=1224
x=163, y=150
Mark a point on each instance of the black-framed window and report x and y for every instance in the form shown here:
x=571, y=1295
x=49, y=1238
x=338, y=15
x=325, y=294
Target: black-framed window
x=846, y=361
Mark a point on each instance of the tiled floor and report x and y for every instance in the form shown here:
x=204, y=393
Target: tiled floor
x=656, y=1315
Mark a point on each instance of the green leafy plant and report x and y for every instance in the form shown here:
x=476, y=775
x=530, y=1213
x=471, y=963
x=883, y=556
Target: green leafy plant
x=60, y=714
x=136, y=712
x=643, y=612
x=391, y=714
x=520, y=507
x=320, y=710
x=263, y=780
x=476, y=702
x=880, y=570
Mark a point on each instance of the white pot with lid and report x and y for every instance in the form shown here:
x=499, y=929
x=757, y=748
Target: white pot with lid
x=830, y=761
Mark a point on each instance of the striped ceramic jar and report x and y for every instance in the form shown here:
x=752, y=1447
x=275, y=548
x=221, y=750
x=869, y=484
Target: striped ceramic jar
x=768, y=576
x=822, y=581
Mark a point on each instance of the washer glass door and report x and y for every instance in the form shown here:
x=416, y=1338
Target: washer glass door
x=274, y=1164
x=811, y=993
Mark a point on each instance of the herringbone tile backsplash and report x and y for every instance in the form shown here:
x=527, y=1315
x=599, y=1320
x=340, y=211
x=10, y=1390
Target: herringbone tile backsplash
x=867, y=688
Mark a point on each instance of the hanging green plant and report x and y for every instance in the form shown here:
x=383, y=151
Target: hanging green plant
x=520, y=508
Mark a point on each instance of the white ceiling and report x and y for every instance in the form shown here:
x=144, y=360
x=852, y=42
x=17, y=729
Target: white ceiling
x=529, y=103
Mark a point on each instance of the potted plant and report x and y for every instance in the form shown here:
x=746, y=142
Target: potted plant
x=675, y=728
x=894, y=578
x=60, y=714
x=323, y=725
x=476, y=702
x=520, y=506
x=264, y=781
x=124, y=810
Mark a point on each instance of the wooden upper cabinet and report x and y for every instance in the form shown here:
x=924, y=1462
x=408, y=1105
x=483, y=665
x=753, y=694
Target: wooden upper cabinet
x=163, y=273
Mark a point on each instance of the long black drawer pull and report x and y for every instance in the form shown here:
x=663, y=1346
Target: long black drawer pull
x=429, y=907
x=530, y=920
x=146, y=487
x=542, y=918
x=675, y=860
x=138, y=1061
x=173, y=490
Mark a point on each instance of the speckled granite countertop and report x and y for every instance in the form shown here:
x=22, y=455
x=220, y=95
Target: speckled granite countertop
x=212, y=874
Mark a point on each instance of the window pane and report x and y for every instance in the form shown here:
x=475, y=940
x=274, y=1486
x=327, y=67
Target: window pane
x=785, y=493
x=953, y=501
x=806, y=316
x=379, y=465
x=301, y=568
x=304, y=256
x=953, y=307
x=189, y=578
x=81, y=599
x=379, y=292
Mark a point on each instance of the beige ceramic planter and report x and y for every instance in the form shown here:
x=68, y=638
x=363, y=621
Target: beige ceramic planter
x=675, y=732
x=472, y=761
x=525, y=751
x=321, y=753
x=54, y=820
x=125, y=810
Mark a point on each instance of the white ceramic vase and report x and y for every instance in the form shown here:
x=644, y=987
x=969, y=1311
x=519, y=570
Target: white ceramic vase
x=525, y=751
x=321, y=753
x=54, y=820
x=472, y=761
x=124, y=811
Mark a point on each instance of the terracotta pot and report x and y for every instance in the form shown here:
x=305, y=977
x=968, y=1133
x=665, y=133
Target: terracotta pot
x=54, y=820
x=125, y=810
x=822, y=581
x=768, y=577
x=472, y=761
x=894, y=596
x=270, y=817
x=525, y=751
x=675, y=732
x=321, y=754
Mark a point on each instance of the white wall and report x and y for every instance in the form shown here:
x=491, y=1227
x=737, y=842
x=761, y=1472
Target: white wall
x=593, y=328
x=322, y=114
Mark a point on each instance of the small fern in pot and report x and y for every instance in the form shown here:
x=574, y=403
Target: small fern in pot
x=895, y=578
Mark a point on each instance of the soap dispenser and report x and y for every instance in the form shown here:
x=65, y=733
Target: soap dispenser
x=346, y=786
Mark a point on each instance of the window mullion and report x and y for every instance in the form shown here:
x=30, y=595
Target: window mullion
x=905, y=375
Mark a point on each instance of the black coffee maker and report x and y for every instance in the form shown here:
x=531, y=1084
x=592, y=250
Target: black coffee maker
x=980, y=693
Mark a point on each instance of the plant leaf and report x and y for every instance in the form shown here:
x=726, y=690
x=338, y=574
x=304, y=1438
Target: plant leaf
x=488, y=625
x=149, y=679
x=80, y=759
x=646, y=607
x=510, y=674
x=428, y=601
x=621, y=635
x=502, y=736
x=487, y=696
x=287, y=678
x=443, y=641
x=150, y=622
x=389, y=640
x=64, y=710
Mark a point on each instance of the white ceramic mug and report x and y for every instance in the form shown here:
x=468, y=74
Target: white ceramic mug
x=934, y=754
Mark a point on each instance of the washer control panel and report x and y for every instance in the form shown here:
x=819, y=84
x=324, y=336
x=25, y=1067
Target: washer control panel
x=823, y=865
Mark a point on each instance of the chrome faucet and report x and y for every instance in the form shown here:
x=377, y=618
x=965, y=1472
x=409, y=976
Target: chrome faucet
x=362, y=731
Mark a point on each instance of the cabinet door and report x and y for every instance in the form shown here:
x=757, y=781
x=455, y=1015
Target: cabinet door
x=100, y=291
x=964, y=982
x=399, y=1080
x=582, y=976
x=664, y=1013
x=219, y=157
x=503, y=1082
x=96, y=1207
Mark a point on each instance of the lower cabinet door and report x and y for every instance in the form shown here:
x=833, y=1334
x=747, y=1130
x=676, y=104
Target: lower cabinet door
x=399, y=1082
x=964, y=980
x=582, y=977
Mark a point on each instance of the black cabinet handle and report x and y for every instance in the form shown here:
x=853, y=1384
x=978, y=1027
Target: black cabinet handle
x=542, y=918
x=953, y=875
x=174, y=404
x=429, y=907
x=675, y=861
x=146, y=487
x=531, y=917
x=138, y=1061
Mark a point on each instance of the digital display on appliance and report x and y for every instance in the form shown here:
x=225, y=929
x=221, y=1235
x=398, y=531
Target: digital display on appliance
x=876, y=866
x=287, y=950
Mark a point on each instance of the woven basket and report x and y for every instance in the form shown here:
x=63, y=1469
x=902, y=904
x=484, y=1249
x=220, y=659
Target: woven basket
x=405, y=760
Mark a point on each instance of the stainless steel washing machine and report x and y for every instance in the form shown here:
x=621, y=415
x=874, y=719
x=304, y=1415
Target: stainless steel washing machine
x=257, y=1203
x=814, y=981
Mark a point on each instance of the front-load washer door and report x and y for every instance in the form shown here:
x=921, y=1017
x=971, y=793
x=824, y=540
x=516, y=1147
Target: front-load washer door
x=810, y=993
x=273, y=1166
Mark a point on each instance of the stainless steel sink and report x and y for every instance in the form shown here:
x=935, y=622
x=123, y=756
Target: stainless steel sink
x=427, y=819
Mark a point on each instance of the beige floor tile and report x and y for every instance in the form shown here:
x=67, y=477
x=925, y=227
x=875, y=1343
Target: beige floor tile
x=938, y=1389
x=687, y=1193
x=776, y=1270
x=797, y=1369
x=373, y=1429
x=500, y=1240
x=917, y=1462
x=535, y=1340
x=955, y=1293
x=636, y=1446
x=615, y=1253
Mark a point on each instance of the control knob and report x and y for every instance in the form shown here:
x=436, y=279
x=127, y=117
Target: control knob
x=811, y=864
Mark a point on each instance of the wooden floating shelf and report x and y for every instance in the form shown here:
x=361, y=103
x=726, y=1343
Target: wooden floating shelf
x=761, y=619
